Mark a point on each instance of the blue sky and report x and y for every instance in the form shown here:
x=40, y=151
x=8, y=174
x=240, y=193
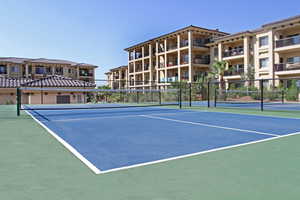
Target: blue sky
x=97, y=31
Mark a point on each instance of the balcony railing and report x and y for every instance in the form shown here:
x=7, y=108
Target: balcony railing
x=84, y=73
x=160, y=50
x=172, y=63
x=234, y=71
x=139, y=68
x=131, y=70
x=139, y=82
x=138, y=55
x=286, y=67
x=203, y=61
x=172, y=46
x=184, y=43
x=146, y=67
x=200, y=42
x=146, y=54
x=161, y=65
x=234, y=52
x=288, y=41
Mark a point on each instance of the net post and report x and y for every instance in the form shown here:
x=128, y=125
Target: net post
x=137, y=96
x=282, y=96
x=208, y=94
x=42, y=97
x=18, y=101
x=84, y=93
x=190, y=91
x=261, y=94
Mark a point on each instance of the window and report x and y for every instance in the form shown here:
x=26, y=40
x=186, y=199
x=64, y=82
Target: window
x=14, y=69
x=263, y=62
x=263, y=41
x=216, y=51
x=292, y=60
x=2, y=69
x=39, y=70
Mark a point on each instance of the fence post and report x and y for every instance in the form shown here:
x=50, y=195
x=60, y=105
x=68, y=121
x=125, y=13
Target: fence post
x=261, y=83
x=159, y=96
x=208, y=94
x=215, y=98
x=18, y=101
x=282, y=96
x=190, y=91
x=180, y=95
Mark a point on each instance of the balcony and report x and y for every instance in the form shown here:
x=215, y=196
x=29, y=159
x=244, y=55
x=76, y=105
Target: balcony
x=83, y=73
x=288, y=41
x=286, y=67
x=130, y=69
x=146, y=67
x=138, y=55
x=172, y=79
x=233, y=52
x=172, y=46
x=235, y=71
x=184, y=43
x=200, y=42
x=138, y=68
x=201, y=60
x=161, y=65
x=172, y=63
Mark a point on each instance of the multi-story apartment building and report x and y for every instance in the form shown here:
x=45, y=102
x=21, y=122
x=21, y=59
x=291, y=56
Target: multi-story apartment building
x=272, y=51
x=117, y=78
x=12, y=67
x=177, y=56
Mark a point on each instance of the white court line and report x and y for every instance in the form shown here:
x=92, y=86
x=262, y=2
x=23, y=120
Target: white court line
x=209, y=125
x=68, y=146
x=197, y=153
x=117, y=117
x=268, y=116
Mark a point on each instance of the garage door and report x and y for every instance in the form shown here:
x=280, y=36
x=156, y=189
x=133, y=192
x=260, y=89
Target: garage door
x=63, y=99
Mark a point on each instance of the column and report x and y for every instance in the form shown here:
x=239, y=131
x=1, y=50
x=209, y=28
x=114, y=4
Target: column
x=26, y=71
x=190, y=39
x=166, y=60
x=8, y=70
x=157, y=62
x=246, y=54
x=150, y=64
x=178, y=57
x=220, y=51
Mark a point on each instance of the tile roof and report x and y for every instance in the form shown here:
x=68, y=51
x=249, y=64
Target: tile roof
x=51, y=81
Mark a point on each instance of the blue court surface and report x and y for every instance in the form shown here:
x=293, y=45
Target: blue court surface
x=118, y=138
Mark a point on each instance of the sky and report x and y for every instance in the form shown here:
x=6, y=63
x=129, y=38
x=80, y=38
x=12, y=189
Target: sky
x=97, y=31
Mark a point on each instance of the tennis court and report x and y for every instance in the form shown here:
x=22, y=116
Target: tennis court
x=113, y=139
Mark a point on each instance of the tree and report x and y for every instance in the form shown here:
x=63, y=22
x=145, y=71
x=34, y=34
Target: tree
x=217, y=72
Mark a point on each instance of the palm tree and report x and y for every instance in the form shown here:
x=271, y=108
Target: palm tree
x=217, y=72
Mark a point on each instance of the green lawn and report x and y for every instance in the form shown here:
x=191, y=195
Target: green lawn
x=33, y=165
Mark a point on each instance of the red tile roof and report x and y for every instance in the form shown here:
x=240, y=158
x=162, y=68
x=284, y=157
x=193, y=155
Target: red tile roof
x=51, y=81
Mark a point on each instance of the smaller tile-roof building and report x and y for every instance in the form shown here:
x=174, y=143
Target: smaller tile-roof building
x=8, y=90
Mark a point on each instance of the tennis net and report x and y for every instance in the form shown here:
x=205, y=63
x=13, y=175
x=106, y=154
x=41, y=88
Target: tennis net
x=30, y=98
